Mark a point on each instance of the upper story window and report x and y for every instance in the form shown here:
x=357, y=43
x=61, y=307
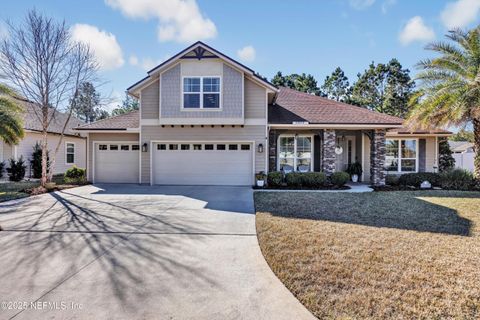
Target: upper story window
x=201, y=92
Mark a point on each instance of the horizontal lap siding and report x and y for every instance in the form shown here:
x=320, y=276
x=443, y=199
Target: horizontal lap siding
x=197, y=133
x=150, y=101
x=255, y=101
x=106, y=137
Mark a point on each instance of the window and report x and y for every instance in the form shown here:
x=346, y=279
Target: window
x=201, y=93
x=135, y=147
x=173, y=147
x=245, y=147
x=125, y=147
x=161, y=147
x=232, y=147
x=209, y=147
x=197, y=147
x=70, y=152
x=114, y=147
x=102, y=147
x=401, y=155
x=185, y=147
x=295, y=153
x=220, y=147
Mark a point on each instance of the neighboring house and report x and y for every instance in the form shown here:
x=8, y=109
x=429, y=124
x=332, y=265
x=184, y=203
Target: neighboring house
x=463, y=153
x=460, y=146
x=72, y=150
x=206, y=119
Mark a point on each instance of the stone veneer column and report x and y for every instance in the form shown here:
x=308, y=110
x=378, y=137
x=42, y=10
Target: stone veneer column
x=272, y=150
x=328, y=154
x=377, y=157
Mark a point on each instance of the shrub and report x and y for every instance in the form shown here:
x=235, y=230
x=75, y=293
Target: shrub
x=415, y=179
x=457, y=179
x=355, y=168
x=339, y=179
x=392, y=179
x=314, y=179
x=16, y=172
x=275, y=178
x=75, y=175
x=2, y=167
x=294, y=179
x=260, y=176
x=36, y=161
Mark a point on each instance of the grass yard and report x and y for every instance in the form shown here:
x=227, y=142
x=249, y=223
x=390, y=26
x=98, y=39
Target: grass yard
x=395, y=255
x=14, y=190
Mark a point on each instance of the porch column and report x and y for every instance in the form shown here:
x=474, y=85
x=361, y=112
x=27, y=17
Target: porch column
x=328, y=154
x=377, y=157
x=272, y=150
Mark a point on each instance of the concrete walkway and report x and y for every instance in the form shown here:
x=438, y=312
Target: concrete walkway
x=138, y=252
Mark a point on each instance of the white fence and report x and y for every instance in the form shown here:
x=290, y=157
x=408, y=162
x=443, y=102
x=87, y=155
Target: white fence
x=464, y=160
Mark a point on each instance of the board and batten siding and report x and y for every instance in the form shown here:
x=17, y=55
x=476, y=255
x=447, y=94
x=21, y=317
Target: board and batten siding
x=95, y=137
x=205, y=134
x=149, y=108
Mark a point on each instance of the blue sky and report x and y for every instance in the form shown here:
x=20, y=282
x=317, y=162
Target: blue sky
x=130, y=36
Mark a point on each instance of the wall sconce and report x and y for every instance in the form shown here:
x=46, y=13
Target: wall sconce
x=144, y=147
x=260, y=148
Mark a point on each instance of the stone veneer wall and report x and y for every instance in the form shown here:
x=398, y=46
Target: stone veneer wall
x=377, y=158
x=328, y=155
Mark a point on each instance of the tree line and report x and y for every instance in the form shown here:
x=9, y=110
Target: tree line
x=385, y=88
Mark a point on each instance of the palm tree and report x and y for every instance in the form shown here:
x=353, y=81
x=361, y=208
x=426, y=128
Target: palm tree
x=11, y=128
x=449, y=92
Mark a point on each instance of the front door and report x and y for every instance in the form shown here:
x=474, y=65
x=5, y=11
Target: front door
x=345, y=152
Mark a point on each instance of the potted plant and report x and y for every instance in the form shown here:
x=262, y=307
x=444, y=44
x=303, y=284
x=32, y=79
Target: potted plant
x=260, y=178
x=355, y=170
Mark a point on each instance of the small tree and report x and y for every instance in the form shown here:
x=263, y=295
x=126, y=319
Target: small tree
x=46, y=66
x=16, y=170
x=36, y=161
x=445, y=159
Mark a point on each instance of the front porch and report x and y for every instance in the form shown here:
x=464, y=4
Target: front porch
x=328, y=150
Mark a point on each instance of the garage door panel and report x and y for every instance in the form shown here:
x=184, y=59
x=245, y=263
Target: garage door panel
x=116, y=166
x=203, y=167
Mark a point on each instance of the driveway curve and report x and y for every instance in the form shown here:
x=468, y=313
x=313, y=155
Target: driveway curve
x=138, y=252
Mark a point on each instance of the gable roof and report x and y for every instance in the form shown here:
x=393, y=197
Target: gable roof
x=121, y=122
x=213, y=53
x=460, y=146
x=294, y=106
x=32, y=122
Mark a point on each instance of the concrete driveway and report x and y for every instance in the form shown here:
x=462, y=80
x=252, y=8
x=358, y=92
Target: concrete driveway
x=137, y=252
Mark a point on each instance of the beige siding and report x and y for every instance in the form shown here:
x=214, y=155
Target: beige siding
x=430, y=162
x=197, y=133
x=25, y=149
x=366, y=158
x=105, y=137
x=150, y=101
x=255, y=101
x=6, y=152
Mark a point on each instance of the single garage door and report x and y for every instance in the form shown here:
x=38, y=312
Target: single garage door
x=203, y=163
x=116, y=162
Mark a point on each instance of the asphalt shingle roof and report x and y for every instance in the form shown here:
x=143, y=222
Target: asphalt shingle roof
x=125, y=121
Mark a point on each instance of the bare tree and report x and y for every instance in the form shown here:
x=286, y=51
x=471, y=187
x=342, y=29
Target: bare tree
x=47, y=67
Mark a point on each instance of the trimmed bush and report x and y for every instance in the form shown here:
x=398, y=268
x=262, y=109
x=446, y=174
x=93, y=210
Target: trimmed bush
x=415, y=179
x=294, y=179
x=16, y=172
x=314, y=179
x=75, y=175
x=392, y=180
x=2, y=167
x=339, y=179
x=275, y=179
x=457, y=179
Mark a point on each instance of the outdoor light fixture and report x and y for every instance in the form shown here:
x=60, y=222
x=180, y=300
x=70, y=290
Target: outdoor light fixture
x=260, y=148
x=144, y=147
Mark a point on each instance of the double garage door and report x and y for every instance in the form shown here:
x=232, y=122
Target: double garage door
x=116, y=162
x=202, y=163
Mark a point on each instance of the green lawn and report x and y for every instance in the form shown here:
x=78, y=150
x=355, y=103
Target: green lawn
x=395, y=255
x=14, y=190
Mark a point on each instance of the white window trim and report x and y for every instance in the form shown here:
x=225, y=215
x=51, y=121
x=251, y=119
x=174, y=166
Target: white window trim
x=74, y=153
x=399, y=165
x=220, y=97
x=295, y=149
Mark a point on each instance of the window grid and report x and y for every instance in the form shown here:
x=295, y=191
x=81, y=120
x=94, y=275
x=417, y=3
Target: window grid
x=401, y=155
x=201, y=93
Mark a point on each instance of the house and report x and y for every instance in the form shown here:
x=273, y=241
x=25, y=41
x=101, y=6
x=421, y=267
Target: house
x=206, y=119
x=73, y=147
x=461, y=146
x=464, y=154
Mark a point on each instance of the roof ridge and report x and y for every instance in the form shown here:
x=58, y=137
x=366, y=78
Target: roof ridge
x=109, y=118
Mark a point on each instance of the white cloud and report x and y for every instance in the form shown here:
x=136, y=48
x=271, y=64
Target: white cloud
x=387, y=4
x=179, y=20
x=361, y=4
x=149, y=63
x=460, y=13
x=247, y=53
x=416, y=30
x=133, y=60
x=104, y=45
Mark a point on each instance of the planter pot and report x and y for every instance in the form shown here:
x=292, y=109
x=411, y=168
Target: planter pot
x=354, y=178
x=260, y=183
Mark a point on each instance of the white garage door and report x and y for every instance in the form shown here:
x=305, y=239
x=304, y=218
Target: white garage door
x=116, y=162
x=203, y=163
